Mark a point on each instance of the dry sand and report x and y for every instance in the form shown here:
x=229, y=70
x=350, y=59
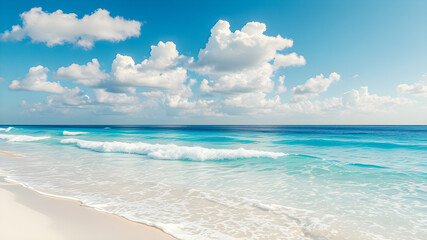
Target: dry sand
x=26, y=214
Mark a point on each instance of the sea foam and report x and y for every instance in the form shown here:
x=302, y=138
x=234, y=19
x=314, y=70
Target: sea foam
x=6, y=129
x=171, y=151
x=22, y=138
x=67, y=133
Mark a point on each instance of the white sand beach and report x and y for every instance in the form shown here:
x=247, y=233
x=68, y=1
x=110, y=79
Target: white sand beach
x=26, y=214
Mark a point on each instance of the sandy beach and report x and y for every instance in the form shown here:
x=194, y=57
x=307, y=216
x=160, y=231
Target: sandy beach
x=26, y=214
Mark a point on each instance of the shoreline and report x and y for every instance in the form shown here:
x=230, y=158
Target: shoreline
x=31, y=214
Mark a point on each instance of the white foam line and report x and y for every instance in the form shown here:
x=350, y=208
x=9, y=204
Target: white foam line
x=172, y=151
x=21, y=138
x=8, y=179
x=68, y=133
x=6, y=129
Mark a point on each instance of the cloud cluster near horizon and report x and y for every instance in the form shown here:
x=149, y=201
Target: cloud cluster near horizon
x=237, y=73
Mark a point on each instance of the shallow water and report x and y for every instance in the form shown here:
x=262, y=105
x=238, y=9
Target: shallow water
x=235, y=182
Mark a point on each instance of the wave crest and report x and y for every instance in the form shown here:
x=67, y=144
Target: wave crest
x=171, y=151
x=21, y=138
x=67, y=133
x=6, y=129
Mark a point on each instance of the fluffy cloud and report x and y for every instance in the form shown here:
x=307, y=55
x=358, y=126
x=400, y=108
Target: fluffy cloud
x=36, y=80
x=228, y=51
x=252, y=100
x=179, y=101
x=310, y=107
x=352, y=101
x=251, y=80
x=160, y=71
x=363, y=101
x=117, y=102
x=58, y=28
x=88, y=75
x=69, y=97
x=313, y=87
x=239, y=62
x=281, y=88
x=417, y=89
x=288, y=60
x=103, y=96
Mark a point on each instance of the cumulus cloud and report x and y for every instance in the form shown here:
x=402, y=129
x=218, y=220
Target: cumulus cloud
x=103, y=96
x=364, y=101
x=239, y=61
x=355, y=100
x=228, y=51
x=36, y=80
x=58, y=28
x=257, y=79
x=313, y=106
x=281, y=88
x=252, y=100
x=288, y=60
x=416, y=89
x=313, y=87
x=180, y=101
x=69, y=97
x=88, y=75
x=160, y=71
x=73, y=98
x=117, y=102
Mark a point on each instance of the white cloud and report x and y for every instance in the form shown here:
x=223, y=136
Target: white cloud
x=239, y=62
x=252, y=100
x=58, y=28
x=350, y=102
x=228, y=51
x=117, y=102
x=363, y=101
x=179, y=102
x=36, y=80
x=257, y=79
x=311, y=107
x=417, y=89
x=288, y=60
x=153, y=94
x=355, y=75
x=69, y=97
x=281, y=88
x=88, y=75
x=105, y=97
x=313, y=87
x=160, y=71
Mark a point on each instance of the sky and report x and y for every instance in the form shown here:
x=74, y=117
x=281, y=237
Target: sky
x=213, y=62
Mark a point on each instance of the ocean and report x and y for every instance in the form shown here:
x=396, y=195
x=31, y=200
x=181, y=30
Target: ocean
x=235, y=182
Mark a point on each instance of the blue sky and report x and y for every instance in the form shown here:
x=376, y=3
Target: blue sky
x=376, y=48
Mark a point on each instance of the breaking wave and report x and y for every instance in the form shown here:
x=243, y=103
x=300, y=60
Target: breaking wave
x=21, y=138
x=67, y=133
x=171, y=151
x=6, y=129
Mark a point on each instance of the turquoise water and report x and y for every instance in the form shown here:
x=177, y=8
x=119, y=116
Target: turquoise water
x=235, y=182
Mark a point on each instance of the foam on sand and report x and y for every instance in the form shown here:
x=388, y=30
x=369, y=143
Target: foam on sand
x=171, y=151
x=67, y=133
x=21, y=138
